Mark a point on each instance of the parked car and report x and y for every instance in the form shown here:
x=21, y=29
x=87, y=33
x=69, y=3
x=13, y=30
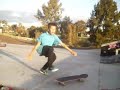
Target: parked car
x=110, y=52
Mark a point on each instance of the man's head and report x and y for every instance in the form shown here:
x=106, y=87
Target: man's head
x=52, y=28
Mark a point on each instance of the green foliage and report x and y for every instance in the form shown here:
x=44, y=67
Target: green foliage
x=14, y=28
x=51, y=12
x=69, y=31
x=4, y=25
x=31, y=32
x=18, y=30
x=80, y=26
x=84, y=43
x=21, y=30
x=104, y=22
x=34, y=32
x=63, y=27
x=70, y=35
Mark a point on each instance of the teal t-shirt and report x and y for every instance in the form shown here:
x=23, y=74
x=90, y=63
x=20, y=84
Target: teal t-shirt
x=47, y=40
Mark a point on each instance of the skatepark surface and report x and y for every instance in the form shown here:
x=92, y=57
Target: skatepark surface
x=17, y=71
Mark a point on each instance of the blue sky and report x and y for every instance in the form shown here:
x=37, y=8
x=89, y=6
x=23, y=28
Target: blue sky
x=76, y=9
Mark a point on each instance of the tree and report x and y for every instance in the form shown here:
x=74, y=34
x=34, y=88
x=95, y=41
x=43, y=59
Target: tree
x=34, y=32
x=72, y=35
x=21, y=30
x=51, y=12
x=63, y=27
x=4, y=25
x=80, y=27
x=14, y=28
x=31, y=31
x=104, y=20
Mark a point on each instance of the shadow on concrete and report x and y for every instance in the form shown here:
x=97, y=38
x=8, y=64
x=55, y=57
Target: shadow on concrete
x=17, y=60
x=43, y=82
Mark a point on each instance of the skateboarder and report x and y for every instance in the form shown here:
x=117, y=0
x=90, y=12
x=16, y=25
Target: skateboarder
x=44, y=47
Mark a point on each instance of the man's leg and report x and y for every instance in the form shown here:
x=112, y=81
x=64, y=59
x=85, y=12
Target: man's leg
x=51, y=58
x=44, y=53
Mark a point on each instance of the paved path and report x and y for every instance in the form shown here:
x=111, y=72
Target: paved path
x=16, y=70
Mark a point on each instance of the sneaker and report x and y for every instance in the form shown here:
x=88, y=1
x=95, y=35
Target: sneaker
x=43, y=72
x=52, y=69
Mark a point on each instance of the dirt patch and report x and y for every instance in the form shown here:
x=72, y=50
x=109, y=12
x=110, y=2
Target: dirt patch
x=7, y=39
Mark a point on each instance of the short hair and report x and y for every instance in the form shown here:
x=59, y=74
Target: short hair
x=51, y=24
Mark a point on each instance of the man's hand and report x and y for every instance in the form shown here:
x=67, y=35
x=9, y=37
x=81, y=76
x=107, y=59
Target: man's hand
x=30, y=55
x=73, y=53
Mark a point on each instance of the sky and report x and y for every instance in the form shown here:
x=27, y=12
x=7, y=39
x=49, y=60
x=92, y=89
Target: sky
x=23, y=11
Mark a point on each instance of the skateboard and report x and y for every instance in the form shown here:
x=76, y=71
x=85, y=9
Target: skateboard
x=80, y=78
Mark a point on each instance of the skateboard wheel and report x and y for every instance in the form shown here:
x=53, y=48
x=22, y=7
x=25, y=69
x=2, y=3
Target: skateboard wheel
x=81, y=80
x=61, y=83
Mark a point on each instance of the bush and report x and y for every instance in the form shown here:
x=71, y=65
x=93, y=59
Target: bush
x=84, y=43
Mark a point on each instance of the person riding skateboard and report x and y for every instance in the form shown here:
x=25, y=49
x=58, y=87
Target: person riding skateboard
x=44, y=47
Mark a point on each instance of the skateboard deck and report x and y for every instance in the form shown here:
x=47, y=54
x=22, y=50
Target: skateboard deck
x=62, y=80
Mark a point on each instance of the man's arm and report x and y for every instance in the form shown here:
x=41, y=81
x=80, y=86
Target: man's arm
x=70, y=50
x=30, y=55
